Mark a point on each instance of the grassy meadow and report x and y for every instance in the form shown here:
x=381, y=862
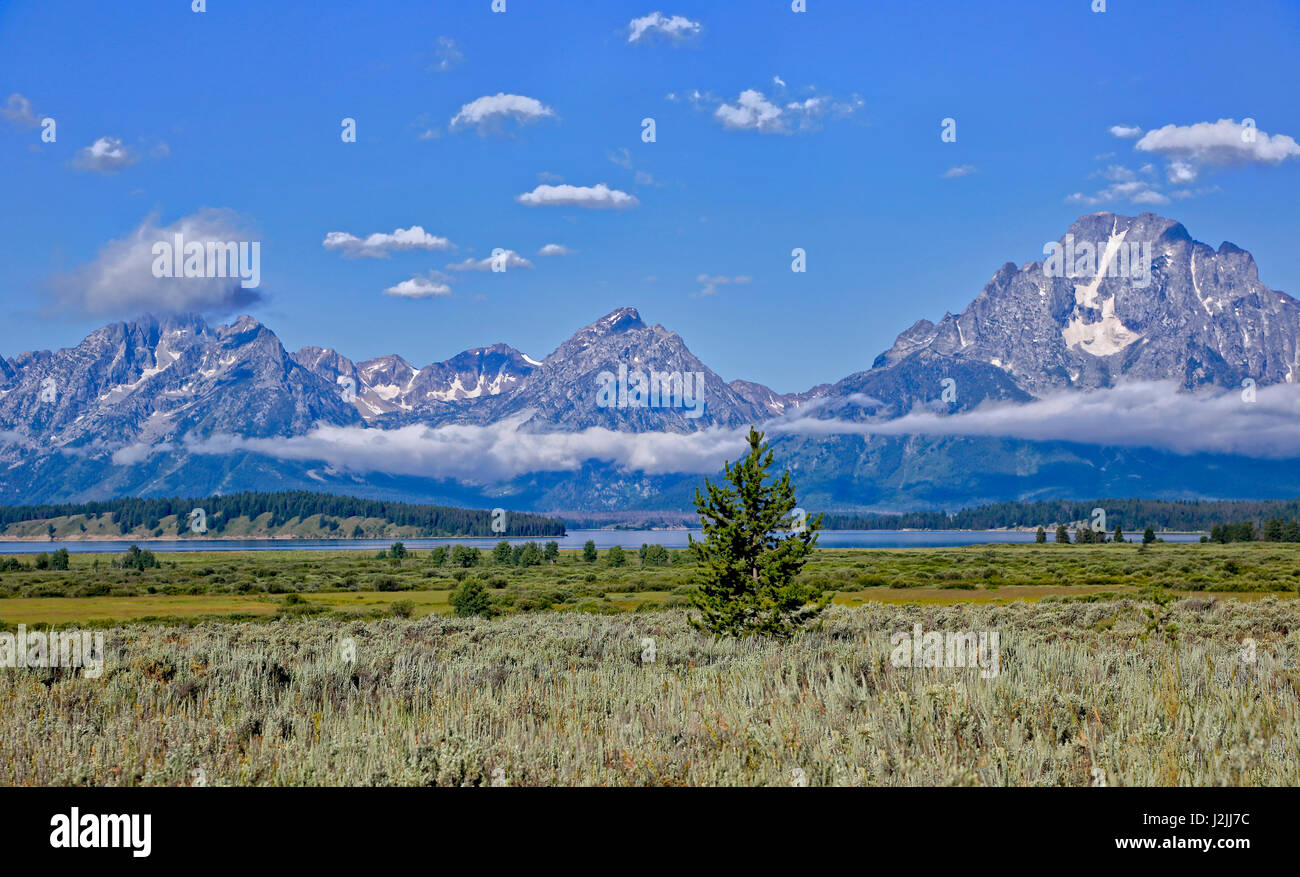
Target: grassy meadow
x=341, y=668
x=192, y=587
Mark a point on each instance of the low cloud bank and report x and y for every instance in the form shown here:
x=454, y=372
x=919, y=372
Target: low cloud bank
x=1152, y=415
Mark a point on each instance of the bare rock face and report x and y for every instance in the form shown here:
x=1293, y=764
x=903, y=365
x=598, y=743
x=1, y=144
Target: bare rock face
x=1125, y=298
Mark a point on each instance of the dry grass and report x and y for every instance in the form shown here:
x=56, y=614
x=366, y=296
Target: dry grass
x=564, y=698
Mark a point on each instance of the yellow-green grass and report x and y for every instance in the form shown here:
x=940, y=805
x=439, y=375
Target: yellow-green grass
x=257, y=583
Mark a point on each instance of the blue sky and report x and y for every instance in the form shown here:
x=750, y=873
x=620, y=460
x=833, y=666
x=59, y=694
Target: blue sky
x=240, y=108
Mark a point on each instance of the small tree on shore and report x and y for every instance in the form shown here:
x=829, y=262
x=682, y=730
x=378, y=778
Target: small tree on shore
x=1062, y=535
x=752, y=551
x=1040, y=536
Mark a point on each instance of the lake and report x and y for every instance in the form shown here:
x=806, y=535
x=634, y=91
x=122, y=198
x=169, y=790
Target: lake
x=632, y=539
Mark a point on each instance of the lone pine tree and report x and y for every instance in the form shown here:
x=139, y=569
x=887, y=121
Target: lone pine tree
x=752, y=551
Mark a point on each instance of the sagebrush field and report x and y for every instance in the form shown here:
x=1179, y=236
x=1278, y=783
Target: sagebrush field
x=559, y=688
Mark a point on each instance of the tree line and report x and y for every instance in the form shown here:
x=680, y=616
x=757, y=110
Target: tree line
x=1131, y=514
x=430, y=520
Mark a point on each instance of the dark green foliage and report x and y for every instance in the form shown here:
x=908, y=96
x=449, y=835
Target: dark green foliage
x=137, y=559
x=654, y=555
x=438, y=556
x=1243, y=532
x=1148, y=536
x=589, y=551
x=551, y=552
x=1040, y=536
x=614, y=556
x=471, y=598
x=751, y=552
x=1062, y=535
x=502, y=555
x=134, y=513
x=1181, y=515
x=530, y=554
x=464, y=556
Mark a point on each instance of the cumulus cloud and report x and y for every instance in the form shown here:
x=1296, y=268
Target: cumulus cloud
x=711, y=284
x=1188, y=150
x=489, y=112
x=754, y=111
x=1141, y=414
x=17, y=110
x=960, y=171
x=120, y=280
x=598, y=197
x=675, y=28
x=420, y=286
x=1224, y=142
x=484, y=454
x=555, y=250
x=106, y=155
x=380, y=244
x=499, y=259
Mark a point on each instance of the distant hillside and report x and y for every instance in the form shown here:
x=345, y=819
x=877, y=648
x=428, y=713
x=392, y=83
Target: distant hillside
x=1131, y=514
x=250, y=515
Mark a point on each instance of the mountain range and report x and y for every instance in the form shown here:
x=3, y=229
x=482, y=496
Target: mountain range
x=172, y=406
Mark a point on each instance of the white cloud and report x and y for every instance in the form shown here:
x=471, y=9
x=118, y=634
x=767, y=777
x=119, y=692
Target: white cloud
x=598, y=197
x=380, y=244
x=105, y=156
x=1151, y=414
x=120, y=280
x=507, y=258
x=1224, y=142
x=675, y=28
x=754, y=111
x=487, y=454
x=711, y=283
x=1125, y=186
x=751, y=112
x=18, y=111
x=1142, y=414
x=960, y=171
x=1180, y=173
x=488, y=112
x=1125, y=132
x=555, y=250
x=420, y=286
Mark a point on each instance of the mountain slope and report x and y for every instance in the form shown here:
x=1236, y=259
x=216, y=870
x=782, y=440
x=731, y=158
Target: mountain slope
x=1115, y=299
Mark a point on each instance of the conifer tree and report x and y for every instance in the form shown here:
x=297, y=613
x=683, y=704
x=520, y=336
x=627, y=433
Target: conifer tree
x=752, y=551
